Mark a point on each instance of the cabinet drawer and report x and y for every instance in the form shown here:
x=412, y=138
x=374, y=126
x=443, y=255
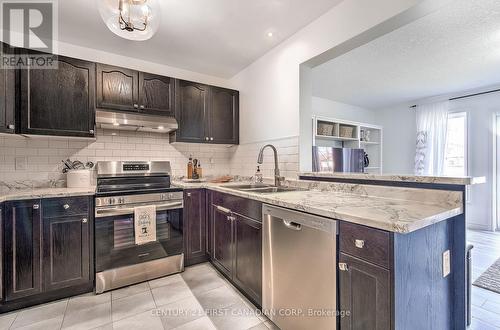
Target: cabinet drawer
x=66, y=206
x=247, y=207
x=366, y=243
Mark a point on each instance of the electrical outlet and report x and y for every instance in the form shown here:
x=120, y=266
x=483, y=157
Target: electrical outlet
x=446, y=263
x=21, y=163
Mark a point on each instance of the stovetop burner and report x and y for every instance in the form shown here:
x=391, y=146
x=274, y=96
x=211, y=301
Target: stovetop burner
x=130, y=178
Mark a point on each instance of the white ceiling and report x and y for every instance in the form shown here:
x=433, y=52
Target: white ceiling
x=215, y=37
x=454, y=49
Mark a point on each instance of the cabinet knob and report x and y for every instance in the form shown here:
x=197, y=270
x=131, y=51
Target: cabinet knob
x=211, y=139
x=188, y=194
x=136, y=106
x=359, y=243
x=343, y=266
x=91, y=131
x=36, y=206
x=206, y=138
x=11, y=126
x=142, y=107
x=66, y=206
x=85, y=220
x=231, y=218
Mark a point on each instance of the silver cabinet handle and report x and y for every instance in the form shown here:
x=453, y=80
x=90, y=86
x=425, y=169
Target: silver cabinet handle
x=66, y=206
x=85, y=220
x=292, y=225
x=91, y=131
x=188, y=194
x=136, y=105
x=359, y=243
x=211, y=139
x=343, y=266
x=36, y=206
x=141, y=106
x=11, y=126
x=223, y=209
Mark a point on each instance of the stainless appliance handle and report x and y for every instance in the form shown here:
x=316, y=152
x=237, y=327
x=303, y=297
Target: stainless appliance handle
x=292, y=225
x=101, y=213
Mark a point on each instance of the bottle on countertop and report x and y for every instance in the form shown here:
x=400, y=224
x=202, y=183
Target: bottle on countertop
x=195, y=175
x=199, y=170
x=190, y=167
x=258, y=178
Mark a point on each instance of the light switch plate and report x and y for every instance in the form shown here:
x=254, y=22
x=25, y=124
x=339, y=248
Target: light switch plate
x=446, y=263
x=21, y=163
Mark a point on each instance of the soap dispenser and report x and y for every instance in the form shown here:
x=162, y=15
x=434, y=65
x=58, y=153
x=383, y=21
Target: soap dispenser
x=258, y=178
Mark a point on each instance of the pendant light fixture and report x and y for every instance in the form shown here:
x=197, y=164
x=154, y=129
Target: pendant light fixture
x=131, y=19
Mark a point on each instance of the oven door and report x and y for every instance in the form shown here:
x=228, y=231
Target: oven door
x=115, y=238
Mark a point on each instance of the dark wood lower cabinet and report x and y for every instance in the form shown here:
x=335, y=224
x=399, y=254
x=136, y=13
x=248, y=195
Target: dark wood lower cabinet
x=248, y=255
x=365, y=295
x=46, y=257
x=195, y=233
x=66, y=251
x=22, y=237
x=236, y=242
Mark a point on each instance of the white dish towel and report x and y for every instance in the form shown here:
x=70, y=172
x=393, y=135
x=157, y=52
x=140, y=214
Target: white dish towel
x=145, y=224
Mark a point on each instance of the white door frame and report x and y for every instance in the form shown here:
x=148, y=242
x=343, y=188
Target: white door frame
x=496, y=168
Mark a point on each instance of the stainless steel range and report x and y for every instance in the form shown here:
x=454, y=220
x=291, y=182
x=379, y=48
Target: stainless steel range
x=121, y=187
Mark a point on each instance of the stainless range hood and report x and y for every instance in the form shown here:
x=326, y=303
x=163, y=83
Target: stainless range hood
x=135, y=122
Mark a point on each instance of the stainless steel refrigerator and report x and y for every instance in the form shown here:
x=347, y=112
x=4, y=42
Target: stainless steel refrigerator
x=330, y=159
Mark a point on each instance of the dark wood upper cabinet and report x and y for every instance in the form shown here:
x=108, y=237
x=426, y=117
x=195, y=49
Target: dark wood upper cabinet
x=156, y=94
x=117, y=88
x=22, y=237
x=195, y=234
x=365, y=293
x=223, y=116
x=248, y=256
x=7, y=96
x=66, y=251
x=59, y=101
x=191, y=112
x=206, y=114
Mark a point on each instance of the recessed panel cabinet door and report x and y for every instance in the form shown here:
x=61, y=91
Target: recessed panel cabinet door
x=191, y=112
x=364, y=294
x=195, y=225
x=22, y=249
x=59, y=101
x=117, y=88
x=7, y=96
x=248, y=256
x=66, y=251
x=156, y=94
x=222, y=240
x=224, y=122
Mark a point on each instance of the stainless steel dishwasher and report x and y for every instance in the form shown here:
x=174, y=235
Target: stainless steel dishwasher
x=299, y=269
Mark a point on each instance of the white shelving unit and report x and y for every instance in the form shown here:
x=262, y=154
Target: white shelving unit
x=332, y=132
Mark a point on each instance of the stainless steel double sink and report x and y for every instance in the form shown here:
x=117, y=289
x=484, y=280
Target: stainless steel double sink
x=263, y=188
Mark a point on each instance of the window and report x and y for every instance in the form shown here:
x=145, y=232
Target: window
x=455, y=161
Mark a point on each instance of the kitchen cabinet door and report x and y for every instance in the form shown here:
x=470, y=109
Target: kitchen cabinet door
x=66, y=251
x=7, y=96
x=156, y=94
x=22, y=239
x=364, y=293
x=223, y=119
x=222, y=230
x=195, y=226
x=248, y=256
x=117, y=88
x=59, y=101
x=191, y=112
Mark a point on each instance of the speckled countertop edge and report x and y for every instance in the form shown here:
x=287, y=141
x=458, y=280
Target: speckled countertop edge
x=45, y=193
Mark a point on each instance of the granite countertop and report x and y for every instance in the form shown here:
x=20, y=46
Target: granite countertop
x=21, y=194
x=464, y=180
x=399, y=215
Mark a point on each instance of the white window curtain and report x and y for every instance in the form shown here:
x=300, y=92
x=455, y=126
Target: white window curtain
x=432, y=125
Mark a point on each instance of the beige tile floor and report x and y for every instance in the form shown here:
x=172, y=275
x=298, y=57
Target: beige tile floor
x=198, y=299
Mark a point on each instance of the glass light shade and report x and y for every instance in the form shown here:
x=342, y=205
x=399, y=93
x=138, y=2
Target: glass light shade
x=140, y=11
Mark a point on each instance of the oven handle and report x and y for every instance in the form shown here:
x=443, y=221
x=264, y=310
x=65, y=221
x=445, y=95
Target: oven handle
x=101, y=213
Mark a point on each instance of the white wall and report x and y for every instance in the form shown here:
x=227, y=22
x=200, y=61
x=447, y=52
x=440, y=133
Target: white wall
x=328, y=108
x=269, y=99
x=398, y=149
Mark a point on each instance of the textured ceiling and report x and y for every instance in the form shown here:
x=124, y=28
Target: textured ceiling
x=216, y=37
x=454, y=49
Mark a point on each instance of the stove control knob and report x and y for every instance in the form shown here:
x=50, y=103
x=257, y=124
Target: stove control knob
x=170, y=196
x=121, y=200
x=111, y=201
x=164, y=197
